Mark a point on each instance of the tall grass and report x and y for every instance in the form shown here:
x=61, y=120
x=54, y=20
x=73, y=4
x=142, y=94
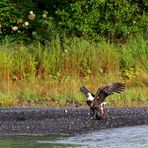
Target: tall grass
x=135, y=53
x=34, y=75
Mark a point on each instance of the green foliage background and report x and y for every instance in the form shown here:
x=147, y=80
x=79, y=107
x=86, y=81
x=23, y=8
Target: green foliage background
x=115, y=20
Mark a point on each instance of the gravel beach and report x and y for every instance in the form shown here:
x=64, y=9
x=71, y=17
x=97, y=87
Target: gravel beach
x=65, y=121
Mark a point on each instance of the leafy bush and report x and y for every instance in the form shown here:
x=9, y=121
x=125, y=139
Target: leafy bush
x=92, y=19
x=6, y=17
x=23, y=19
x=112, y=19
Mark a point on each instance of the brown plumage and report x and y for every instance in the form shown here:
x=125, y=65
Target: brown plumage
x=101, y=94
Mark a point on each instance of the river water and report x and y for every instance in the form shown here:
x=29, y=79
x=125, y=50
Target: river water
x=127, y=137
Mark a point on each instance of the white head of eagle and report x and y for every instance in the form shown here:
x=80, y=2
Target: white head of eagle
x=90, y=97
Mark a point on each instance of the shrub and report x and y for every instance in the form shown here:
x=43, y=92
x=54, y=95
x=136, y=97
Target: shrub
x=115, y=19
x=6, y=17
x=23, y=19
x=92, y=19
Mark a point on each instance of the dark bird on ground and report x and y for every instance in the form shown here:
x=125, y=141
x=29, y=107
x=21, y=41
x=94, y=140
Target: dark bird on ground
x=96, y=101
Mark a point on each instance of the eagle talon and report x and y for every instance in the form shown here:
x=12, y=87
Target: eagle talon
x=99, y=115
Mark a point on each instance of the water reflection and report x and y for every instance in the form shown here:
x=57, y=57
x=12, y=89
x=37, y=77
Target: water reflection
x=118, y=137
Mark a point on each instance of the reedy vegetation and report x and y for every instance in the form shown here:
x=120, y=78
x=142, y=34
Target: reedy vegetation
x=37, y=75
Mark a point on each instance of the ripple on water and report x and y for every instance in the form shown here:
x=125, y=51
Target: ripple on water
x=127, y=137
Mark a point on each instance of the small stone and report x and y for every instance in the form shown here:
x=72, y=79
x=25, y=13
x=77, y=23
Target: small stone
x=65, y=111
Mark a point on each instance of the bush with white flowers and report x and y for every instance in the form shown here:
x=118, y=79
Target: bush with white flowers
x=33, y=24
x=14, y=28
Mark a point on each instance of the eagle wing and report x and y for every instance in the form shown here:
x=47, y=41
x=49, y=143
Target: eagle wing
x=107, y=90
x=85, y=91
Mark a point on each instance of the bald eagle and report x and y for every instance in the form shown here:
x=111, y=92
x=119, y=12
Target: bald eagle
x=96, y=101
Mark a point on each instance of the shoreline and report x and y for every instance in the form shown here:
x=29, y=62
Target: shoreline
x=65, y=121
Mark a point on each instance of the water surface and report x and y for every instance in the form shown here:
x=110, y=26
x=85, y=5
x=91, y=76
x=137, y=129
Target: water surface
x=128, y=137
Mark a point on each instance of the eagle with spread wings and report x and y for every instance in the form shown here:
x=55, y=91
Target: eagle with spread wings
x=96, y=101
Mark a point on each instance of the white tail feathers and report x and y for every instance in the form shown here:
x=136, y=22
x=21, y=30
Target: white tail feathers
x=103, y=104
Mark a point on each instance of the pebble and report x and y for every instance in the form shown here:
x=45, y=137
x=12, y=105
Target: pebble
x=66, y=121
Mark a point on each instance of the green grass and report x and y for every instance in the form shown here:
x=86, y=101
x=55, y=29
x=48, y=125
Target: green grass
x=50, y=93
x=36, y=75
